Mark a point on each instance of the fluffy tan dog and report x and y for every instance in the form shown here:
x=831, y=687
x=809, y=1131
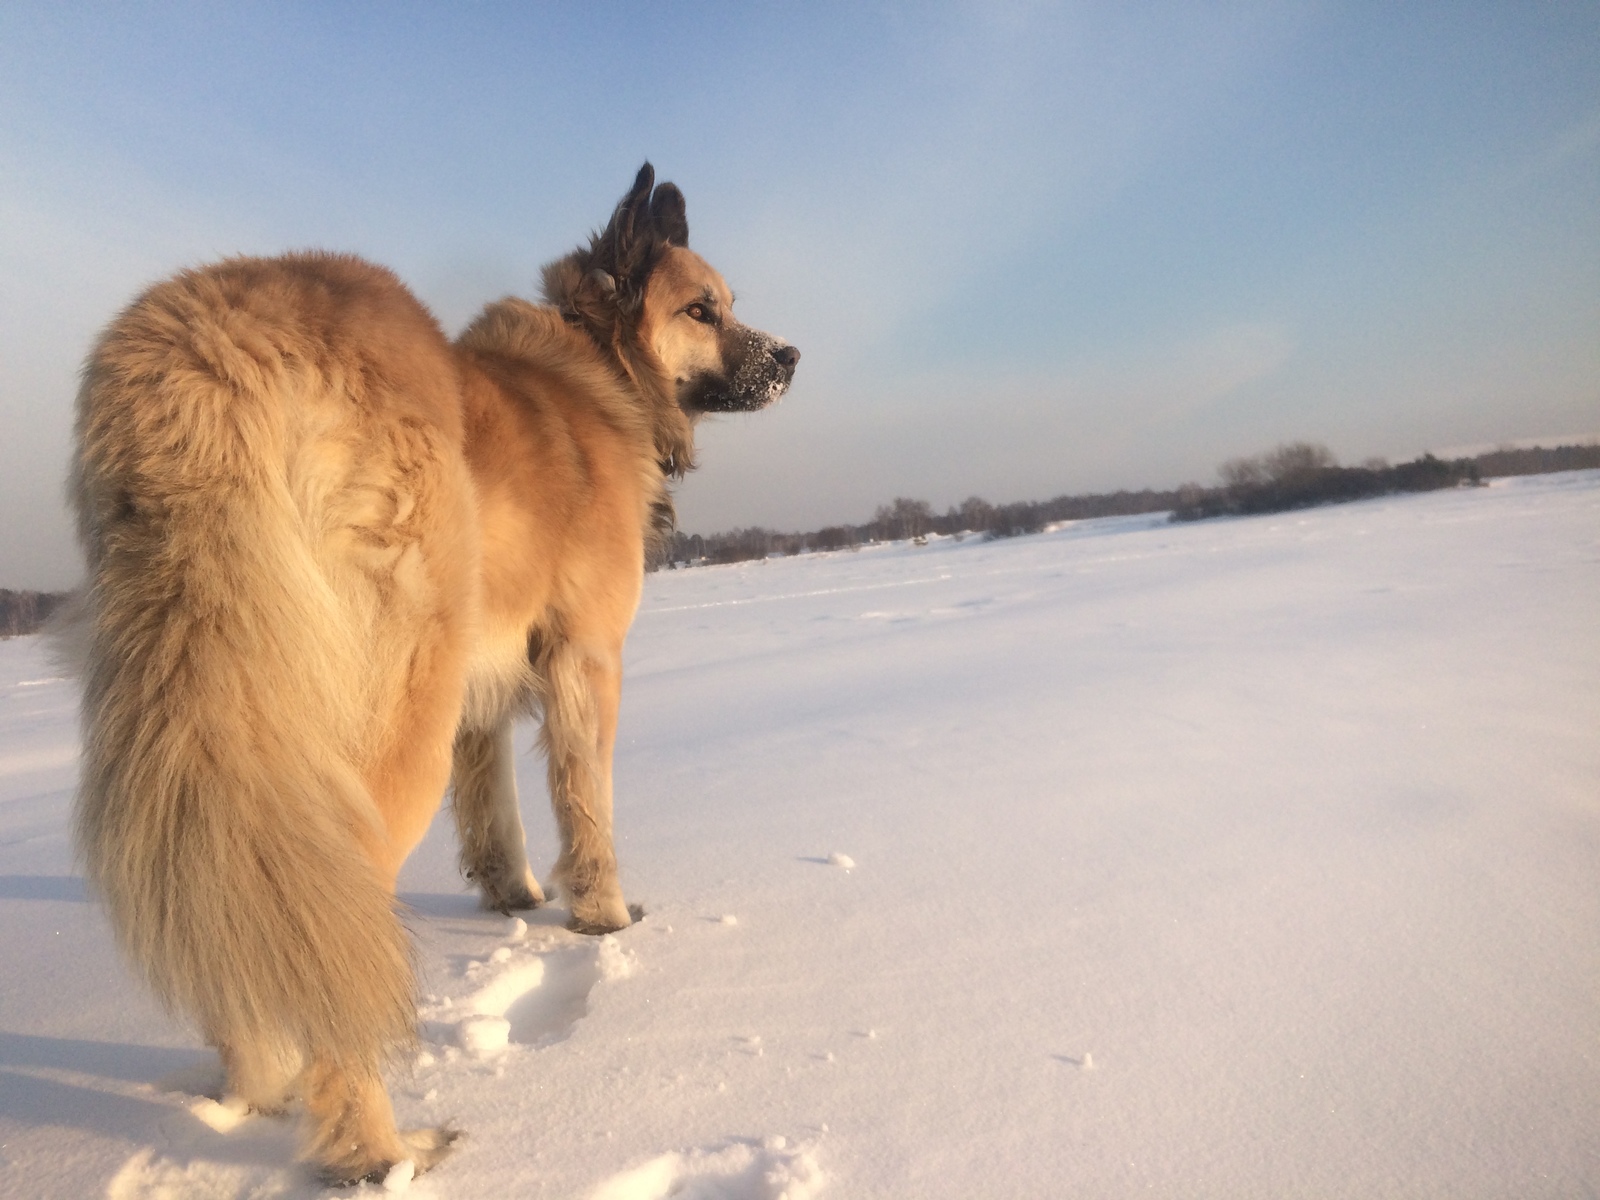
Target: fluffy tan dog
x=331, y=557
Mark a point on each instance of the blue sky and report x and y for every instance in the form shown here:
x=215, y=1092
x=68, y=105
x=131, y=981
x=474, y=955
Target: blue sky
x=1025, y=248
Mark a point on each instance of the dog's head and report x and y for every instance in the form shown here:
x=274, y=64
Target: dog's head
x=640, y=290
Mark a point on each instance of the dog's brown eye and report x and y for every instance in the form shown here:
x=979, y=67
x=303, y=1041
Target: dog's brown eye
x=699, y=312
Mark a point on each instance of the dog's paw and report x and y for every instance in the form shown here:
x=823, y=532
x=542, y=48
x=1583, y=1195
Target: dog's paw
x=430, y=1147
x=592, y=928
x=601, y=911
x=515, y=899
x=603, y=926
x=509, y=895
x=425, y=1149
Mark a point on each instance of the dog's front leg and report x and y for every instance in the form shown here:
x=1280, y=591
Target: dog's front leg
x=488, y=823
x=582, y=692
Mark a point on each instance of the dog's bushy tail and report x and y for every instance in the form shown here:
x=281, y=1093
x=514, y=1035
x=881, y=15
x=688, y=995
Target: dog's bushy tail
x=221, y=814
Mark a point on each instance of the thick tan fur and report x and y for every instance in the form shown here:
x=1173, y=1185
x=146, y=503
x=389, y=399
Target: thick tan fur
x=331, y=557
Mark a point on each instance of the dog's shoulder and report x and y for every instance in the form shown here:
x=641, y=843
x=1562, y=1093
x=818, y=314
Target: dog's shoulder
x=531, y=350
x=515, y=329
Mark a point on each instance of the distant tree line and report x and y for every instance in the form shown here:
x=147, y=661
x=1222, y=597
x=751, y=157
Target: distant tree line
x=1538, y=460
x=24, y=612
x=905, y=519
x=1303, y=474
x=1295, y=475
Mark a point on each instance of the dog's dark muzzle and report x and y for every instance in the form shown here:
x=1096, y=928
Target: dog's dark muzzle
x=760, y=370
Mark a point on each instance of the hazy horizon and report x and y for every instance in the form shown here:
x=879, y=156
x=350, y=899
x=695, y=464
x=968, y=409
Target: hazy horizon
x=1025, y=249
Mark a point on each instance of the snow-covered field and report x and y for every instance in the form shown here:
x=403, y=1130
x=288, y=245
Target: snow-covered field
x=1253, y=858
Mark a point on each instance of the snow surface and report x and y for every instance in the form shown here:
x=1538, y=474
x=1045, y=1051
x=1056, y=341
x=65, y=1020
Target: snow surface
x=1288, y=827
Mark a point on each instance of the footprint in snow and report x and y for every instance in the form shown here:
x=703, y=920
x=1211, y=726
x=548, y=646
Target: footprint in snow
x=526, y=994
x=739, y=1169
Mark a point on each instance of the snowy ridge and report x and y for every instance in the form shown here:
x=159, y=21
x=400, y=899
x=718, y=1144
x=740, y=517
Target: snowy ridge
x=1250, y=858
x=769, y=1170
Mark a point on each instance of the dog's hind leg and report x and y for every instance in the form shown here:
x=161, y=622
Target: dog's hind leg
x=261, y=1071
x=351, y=1133
x=493, y=851
x=581, y=693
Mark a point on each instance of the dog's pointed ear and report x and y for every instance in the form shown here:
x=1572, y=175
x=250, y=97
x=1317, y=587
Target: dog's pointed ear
x=639, y=193
x=624, y=242
x=667, y=215
x=631, y=221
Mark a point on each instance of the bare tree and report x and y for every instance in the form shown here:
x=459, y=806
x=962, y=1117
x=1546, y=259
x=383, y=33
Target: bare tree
x=903, y=518
x=1292, y=462
x=976, y=514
